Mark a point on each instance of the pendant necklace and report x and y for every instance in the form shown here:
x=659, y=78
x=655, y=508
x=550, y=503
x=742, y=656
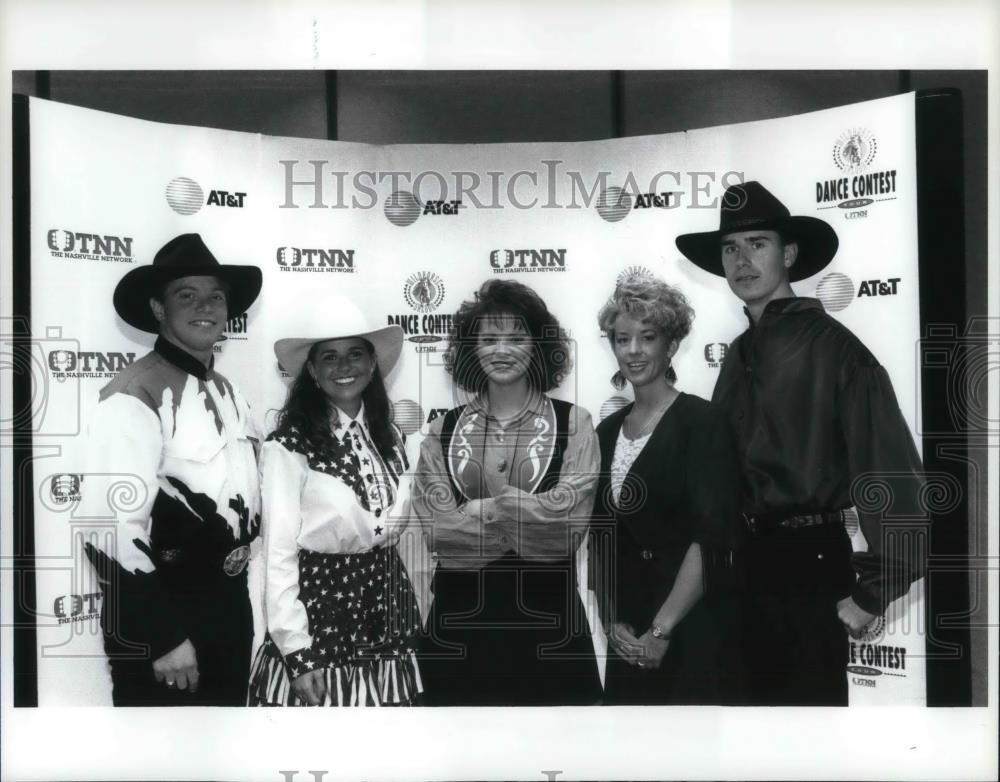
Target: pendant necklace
x=503, y=464
x=652, y=417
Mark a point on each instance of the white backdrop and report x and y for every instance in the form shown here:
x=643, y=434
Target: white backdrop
x=108, y=191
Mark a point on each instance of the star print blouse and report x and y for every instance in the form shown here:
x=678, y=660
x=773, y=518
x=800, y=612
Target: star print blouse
x=344, y=501
x=505, y=468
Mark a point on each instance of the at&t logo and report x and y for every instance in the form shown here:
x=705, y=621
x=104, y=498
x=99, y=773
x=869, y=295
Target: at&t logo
x=402, y=208
x=878, y=287
x=186, y=197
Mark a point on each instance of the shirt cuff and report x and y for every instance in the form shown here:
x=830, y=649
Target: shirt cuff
x=303, y=661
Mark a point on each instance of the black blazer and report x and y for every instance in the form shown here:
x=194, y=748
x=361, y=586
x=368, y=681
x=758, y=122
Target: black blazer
x=684, y=486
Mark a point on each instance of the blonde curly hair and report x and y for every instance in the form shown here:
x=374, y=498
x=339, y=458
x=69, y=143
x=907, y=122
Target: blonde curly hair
x=645, y=296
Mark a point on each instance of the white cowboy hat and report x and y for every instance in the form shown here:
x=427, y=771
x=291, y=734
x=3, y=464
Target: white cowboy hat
x=336, y=318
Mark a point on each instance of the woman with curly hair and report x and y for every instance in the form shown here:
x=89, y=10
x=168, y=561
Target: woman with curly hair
x=341, y=613
x=666, y=515
x=505, y=486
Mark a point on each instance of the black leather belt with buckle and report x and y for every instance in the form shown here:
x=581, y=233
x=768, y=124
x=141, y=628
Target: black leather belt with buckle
x=233, y=563
x=762, y=525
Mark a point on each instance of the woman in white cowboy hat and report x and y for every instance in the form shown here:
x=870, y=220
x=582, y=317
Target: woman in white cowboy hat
x=341, y=613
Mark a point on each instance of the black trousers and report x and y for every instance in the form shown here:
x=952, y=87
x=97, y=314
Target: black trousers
x=219, y=622
x=795, y=649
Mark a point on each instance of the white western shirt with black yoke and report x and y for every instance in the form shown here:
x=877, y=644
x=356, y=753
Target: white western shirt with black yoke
x=172, y=468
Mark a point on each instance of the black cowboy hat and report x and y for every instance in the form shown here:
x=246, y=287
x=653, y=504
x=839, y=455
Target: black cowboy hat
x=751, y=206
x=183, y=256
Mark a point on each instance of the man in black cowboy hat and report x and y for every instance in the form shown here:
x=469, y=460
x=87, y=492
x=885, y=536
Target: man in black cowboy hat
x=816, y=417
x=173, y=463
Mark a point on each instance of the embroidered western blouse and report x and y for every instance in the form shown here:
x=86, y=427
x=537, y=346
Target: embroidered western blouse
x=503, y=468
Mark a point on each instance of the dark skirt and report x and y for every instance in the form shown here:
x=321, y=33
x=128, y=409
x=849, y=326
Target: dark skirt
x=702, y=665
x=512, y=634
x=363, y=619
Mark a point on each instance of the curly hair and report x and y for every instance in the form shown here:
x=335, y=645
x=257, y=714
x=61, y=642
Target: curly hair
x=550, y=358
x=308, y=409
x=648, y=298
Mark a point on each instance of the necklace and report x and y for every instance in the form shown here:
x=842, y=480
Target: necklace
x=650, y=420
x=503, y=464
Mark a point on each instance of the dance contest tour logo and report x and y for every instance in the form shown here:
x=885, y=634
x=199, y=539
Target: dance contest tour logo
x=614, y=203
x=402, y=208
x=302, y=259
x=424, y=292
x=857, y=188
x=633, y=274
x=64, y=488
x=836, y=291
x=78, y=245
x=514, y=261
x=87, y=364
x=186, y=197
x=236, y=328
x=77, y=608
x=870, y=659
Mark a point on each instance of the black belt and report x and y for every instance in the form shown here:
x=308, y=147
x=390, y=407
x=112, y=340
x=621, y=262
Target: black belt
x=764, y=525
x=232, y=563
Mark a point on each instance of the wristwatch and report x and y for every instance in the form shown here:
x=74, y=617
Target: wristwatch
x=658, y=632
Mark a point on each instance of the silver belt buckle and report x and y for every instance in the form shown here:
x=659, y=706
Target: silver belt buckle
x=236, y=561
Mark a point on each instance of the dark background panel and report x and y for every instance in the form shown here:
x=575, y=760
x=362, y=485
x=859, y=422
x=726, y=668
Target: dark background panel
x=280, y=103
x=661, y=102
x=463, y=107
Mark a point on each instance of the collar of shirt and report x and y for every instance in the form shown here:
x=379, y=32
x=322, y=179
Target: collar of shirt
x=535, y=407
x=787, y=305
x=343, y=422
x=181, y=359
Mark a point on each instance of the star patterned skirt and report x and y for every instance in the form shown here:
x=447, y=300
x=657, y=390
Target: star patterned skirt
x=363, y=619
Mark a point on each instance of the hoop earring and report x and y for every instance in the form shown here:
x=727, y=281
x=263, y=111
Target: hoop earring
x=618, y=381
x=669, y=370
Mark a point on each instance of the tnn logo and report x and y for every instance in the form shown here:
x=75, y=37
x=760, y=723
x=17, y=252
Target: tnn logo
x=715, y=352
x=91, y=244
x=87, y=361
x=65, y=487
x=334, y=259
x=72, y=605
x=528, y=259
